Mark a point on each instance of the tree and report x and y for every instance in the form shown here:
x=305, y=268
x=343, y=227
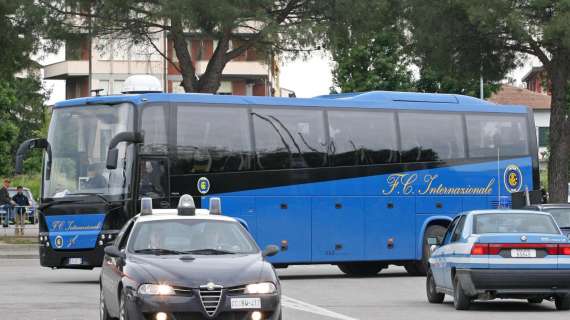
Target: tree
x=370, y=53
x=236, y=26
x=379, y=54
x=21, y=97
x=488, y=37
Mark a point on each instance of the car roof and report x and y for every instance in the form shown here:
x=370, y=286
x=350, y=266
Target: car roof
x=172, y=214
x=504, y=211
x=15, y=188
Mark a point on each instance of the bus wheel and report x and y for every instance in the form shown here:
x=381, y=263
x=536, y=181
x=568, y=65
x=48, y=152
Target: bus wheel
x=362, y=269
x=418, y=268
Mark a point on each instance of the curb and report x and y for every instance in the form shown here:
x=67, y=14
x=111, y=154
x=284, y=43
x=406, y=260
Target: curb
x=18, y=256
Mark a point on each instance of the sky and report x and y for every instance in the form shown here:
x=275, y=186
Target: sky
x=306, y=77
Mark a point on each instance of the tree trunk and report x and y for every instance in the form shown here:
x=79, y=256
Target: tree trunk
x=558, y=71
x=185, y=63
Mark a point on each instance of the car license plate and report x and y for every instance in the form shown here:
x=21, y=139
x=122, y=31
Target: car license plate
x=246, y=303
x=523, y=253
x=75, y=261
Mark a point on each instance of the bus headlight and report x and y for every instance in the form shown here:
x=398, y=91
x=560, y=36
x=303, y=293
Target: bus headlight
x=260, y=288
x=156, y=290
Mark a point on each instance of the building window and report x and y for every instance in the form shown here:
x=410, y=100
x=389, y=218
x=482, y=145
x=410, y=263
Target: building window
x=225, y=87
x=543, y=136
x=118, y=86
x=104, y=85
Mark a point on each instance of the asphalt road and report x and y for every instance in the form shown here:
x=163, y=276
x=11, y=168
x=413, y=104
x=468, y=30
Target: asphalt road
x=29, y=292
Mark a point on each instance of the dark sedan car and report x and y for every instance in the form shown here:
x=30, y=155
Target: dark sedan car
x=166, y=266
x=560, y=212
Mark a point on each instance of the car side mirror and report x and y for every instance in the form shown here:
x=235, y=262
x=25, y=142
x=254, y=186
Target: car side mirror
x=113, y=251
x=113, y=152
x=270, y=250
x=433, y=247
x=433, y=241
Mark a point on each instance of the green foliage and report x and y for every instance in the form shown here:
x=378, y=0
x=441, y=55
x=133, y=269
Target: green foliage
x=22, y=116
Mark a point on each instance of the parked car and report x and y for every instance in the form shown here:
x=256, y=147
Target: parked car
x=187, y=264
x=33, y=204
x=559, y=211
x=492, y=254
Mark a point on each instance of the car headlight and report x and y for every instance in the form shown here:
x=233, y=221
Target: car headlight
x=263, y=288
x=156, y=290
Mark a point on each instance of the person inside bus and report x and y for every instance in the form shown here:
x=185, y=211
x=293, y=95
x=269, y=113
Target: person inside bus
x=151, y=176
x=96, y=179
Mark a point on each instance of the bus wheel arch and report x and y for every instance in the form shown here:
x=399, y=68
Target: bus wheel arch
x=437, y=226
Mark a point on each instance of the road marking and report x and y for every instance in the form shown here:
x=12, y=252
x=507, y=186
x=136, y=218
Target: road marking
x=289, y=302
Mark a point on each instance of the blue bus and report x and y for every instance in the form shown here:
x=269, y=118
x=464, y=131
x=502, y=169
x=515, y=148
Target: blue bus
x=356, y=180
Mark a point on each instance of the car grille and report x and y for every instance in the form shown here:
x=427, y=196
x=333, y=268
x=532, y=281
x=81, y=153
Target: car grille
x=221, y=316
x=211, y=299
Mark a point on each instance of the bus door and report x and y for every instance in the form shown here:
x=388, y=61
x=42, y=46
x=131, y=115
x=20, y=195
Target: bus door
x=154, y=181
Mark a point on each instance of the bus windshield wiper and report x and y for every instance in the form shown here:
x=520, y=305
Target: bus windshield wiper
x=210, y=251
x=89, y=194
x=159, y=251
x=61, y=201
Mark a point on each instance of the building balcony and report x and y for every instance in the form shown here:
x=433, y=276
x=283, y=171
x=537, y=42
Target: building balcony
x=66, y=69
x=243, y=69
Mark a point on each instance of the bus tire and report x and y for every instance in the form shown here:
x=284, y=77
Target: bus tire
x=562, y=302
x=418, y=268
x=361, y=269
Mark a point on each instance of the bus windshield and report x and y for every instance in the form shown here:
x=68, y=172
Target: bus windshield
x=79, y=138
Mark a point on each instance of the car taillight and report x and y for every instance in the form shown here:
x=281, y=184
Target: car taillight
x=480, y=249
x=564, y=249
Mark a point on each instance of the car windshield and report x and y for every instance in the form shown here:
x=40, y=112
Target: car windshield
x=193, y=236
x=79, y=138
x=561, y=215
x=514, y=223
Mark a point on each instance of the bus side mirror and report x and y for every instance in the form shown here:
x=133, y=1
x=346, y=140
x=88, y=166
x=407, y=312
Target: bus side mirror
x=270, y=250
x=26, y=147
x=113, y=153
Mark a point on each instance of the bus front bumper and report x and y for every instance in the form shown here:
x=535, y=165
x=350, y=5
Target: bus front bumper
x=71, y=259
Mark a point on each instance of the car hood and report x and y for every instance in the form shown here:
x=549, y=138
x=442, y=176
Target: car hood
x=225, y=270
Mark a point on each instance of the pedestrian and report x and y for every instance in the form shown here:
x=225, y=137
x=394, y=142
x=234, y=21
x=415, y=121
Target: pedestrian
x=21, y=202
x=6, y=202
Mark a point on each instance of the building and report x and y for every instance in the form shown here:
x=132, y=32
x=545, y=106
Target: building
x=538, y=102
x=536, y=80
x=105, y=63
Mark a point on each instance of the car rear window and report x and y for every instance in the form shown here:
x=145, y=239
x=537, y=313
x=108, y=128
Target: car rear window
x=561, y=215
x=514, y=223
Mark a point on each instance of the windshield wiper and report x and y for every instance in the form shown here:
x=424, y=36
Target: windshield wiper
x=209, y=251
x=89, y=194
x=62, y=201
x=159, y=251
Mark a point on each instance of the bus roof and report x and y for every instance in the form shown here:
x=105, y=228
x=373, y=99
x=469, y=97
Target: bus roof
x=365, y=100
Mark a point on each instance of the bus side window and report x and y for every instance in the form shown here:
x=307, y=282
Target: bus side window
x=431, y=136
x=496, y=133
x=289, y=138
x=362, y=137
x=212, y=139
x=154, y=124
x=153, y=178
